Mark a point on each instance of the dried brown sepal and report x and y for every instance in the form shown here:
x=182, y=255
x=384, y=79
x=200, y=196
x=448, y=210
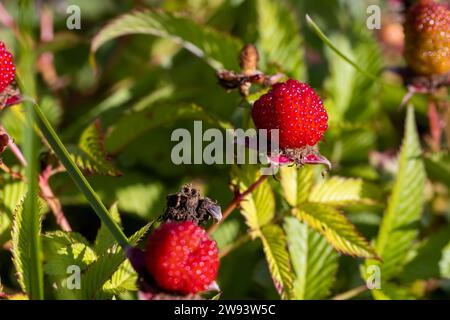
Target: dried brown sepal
x=249, y=75
x=248, y=59
x=189, y=205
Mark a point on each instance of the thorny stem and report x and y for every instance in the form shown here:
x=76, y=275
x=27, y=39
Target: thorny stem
x=238, y=198
x=350, y=293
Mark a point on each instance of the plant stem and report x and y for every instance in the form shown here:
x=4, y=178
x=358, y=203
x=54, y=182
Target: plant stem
x=350, y=293
x=236, y=201
x=78, y=177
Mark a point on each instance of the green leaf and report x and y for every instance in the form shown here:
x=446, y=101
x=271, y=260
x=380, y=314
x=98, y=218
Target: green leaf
x=64, y=249
x=336, y=228
x=258, y=208
x=438, y=167
x=10, y=195
x=277, y=256
x=104, y=239
x=314, y=261
x=90, y=154
x=21, y=247
x=315, y=28
x=103, y=269
x=122, y=280
x=429, y=260
x=279, y=37
x=338, y=191
x=153, y=117
x=217, y=49
x=296, y=183
x=399, y=226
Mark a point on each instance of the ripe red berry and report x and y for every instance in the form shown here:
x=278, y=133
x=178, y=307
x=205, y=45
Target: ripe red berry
x=427, y=38
x=296, y=110
x=182, y=258
x=7, y=68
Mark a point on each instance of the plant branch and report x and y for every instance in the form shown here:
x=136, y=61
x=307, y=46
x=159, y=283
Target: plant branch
x=238, y=198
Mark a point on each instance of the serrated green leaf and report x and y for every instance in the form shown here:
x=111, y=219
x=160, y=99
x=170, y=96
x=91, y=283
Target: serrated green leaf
x=10, y=194
x=21, y=247
x=314, y=261
x=90, y=154
x=279, y=39
x=122, y=280
x=336, y=228
x=258, y=208
x=104, y=238
x=338, y=191
x=217, y=49
x=399, y=226
x=296, y=183
x=63, y=249
x=103, y=269
x=277, y=256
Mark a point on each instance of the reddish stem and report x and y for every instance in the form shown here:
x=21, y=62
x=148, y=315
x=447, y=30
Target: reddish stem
x=238, y=198
x=46, y=191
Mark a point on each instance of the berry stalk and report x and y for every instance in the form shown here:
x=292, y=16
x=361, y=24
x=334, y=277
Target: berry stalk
x=236, y=201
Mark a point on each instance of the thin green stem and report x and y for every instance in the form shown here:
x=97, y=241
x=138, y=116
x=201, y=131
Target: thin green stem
x=315, y=28
x=78, y=177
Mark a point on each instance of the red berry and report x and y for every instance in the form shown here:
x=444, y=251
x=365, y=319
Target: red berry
x=296, y=110
x=427, y=38
x=182, y=258
x=7, y=68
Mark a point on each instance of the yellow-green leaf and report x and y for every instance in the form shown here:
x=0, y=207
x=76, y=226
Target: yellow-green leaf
x=258, y=207
x=296, y=183
x=277, y=256
x=338, y=191
x=336, y=228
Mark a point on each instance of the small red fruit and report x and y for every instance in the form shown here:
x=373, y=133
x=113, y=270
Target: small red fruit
x=427, y=38
x=7, y=68
x=182, y=258
x=296, y=110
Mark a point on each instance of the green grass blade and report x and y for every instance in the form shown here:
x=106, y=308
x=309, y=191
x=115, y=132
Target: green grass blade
x=78, y=177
